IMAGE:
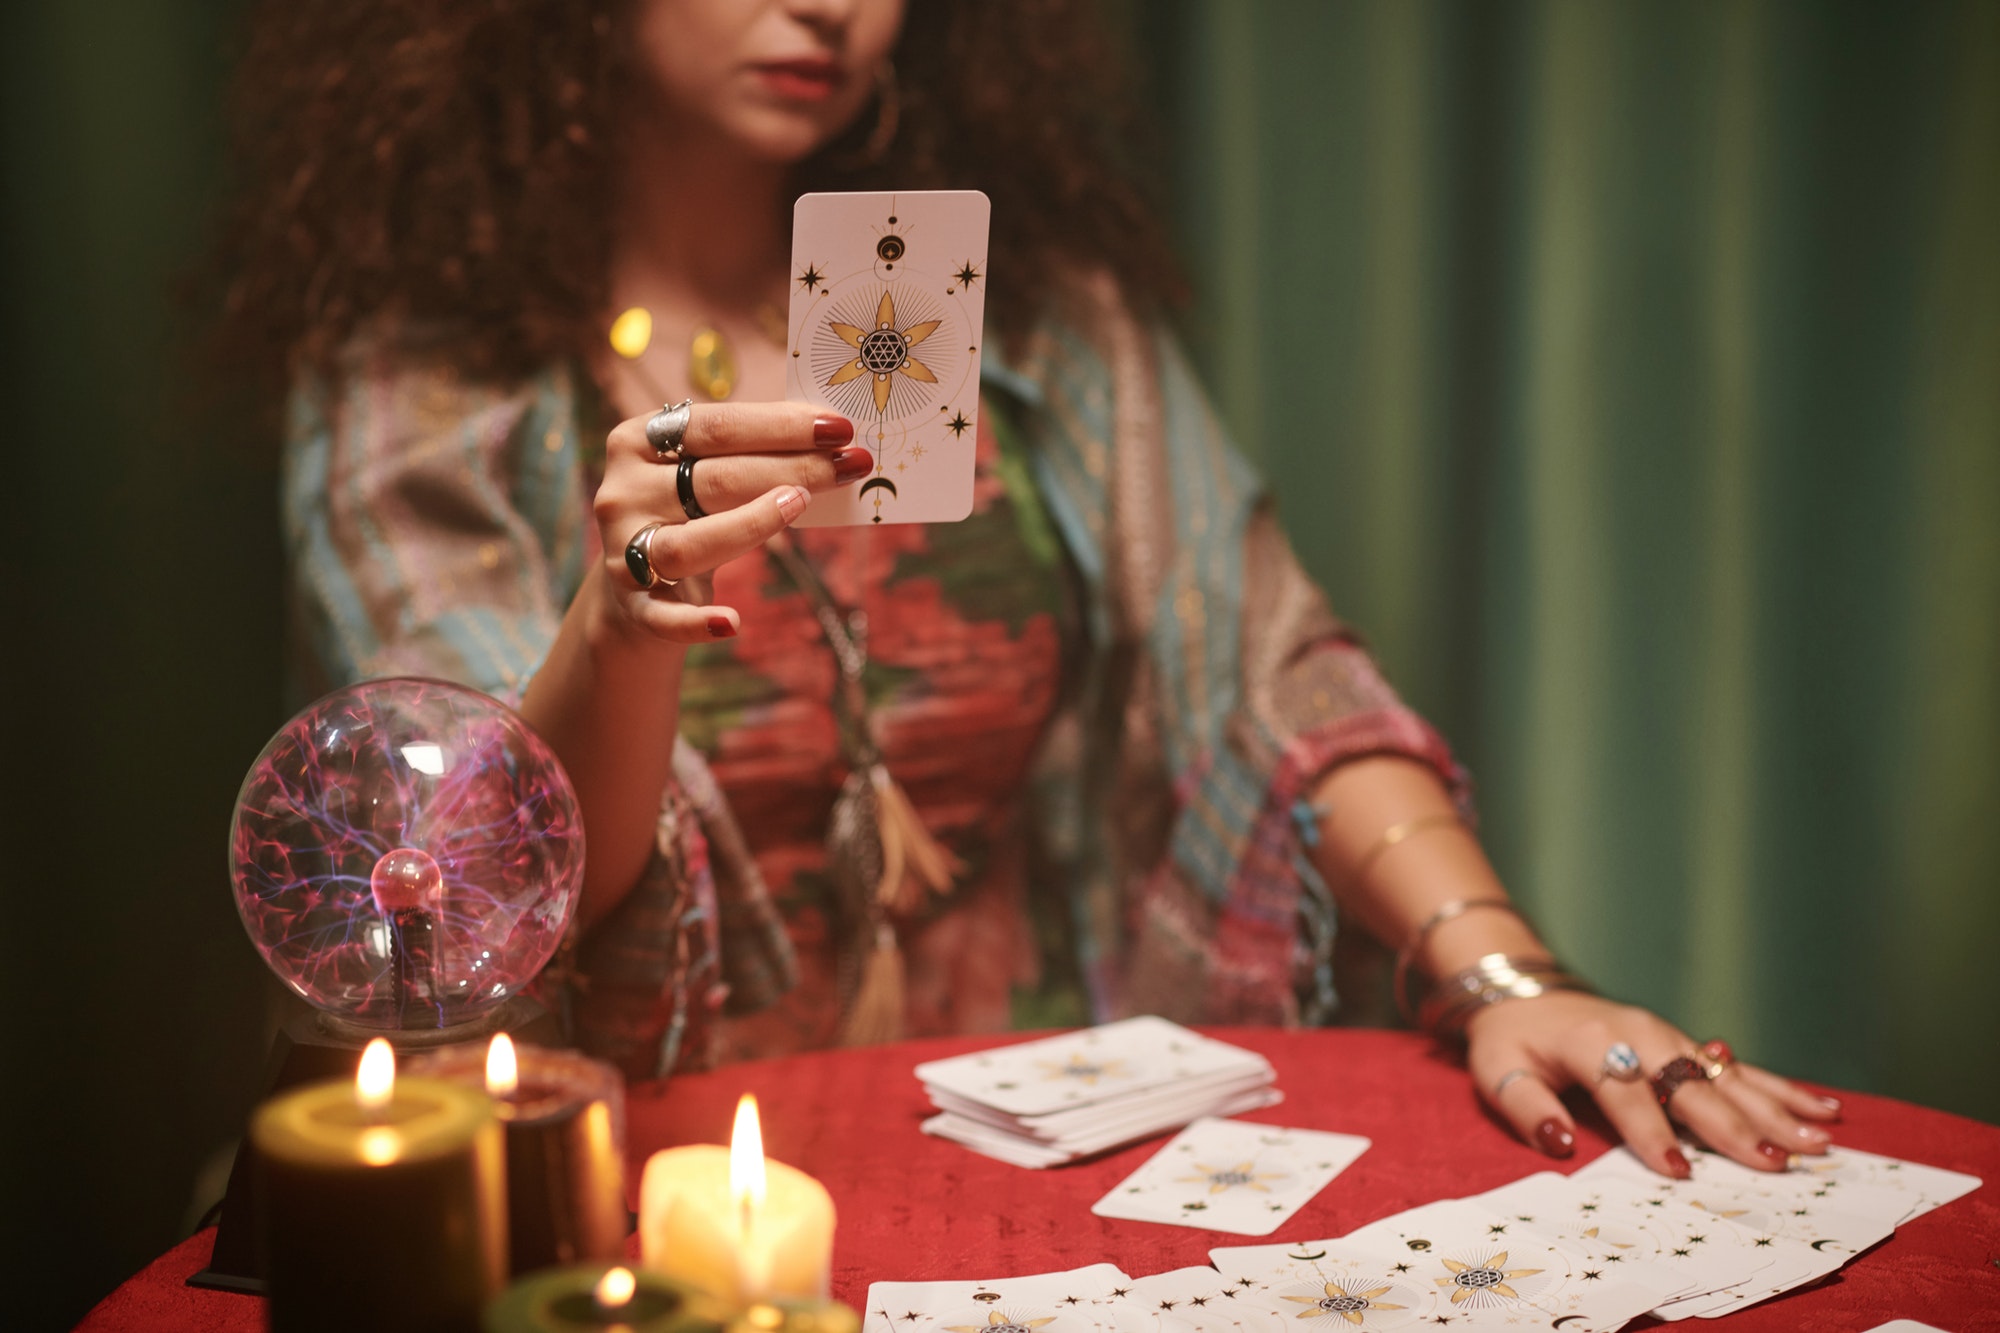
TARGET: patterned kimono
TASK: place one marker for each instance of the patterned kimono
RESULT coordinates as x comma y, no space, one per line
1108,693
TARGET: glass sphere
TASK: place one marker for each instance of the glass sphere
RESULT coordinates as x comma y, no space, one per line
406,854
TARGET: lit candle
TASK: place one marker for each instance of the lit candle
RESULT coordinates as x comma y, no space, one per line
383,1204
594,1299
565,1147
734,1222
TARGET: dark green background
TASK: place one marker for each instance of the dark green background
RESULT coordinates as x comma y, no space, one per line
1631,373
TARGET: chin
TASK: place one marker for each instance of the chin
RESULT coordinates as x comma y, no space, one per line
778,135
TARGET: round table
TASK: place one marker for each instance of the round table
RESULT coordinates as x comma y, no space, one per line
915,1208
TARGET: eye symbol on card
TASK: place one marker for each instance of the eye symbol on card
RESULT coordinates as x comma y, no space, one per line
987,1296
1196,1207
889,249
1418,1244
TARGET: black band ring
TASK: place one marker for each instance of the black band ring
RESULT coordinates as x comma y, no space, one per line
639,559
684,483
667,427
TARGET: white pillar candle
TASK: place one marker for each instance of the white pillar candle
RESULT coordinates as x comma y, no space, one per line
734,1222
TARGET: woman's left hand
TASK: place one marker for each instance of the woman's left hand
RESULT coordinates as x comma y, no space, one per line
1523,1053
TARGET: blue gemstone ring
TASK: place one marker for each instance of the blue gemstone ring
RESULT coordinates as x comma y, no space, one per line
1621,1062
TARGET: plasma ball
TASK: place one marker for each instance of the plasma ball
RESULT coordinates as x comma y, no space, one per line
406,880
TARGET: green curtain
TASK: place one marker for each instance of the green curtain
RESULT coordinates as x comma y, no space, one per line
1632,373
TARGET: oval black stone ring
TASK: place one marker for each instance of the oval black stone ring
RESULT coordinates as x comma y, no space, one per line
639,559
666,428
684,484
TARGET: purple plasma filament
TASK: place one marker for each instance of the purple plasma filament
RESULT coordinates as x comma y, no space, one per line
406,853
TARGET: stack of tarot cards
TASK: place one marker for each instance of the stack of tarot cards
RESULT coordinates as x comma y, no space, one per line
1045,1102
1585,1253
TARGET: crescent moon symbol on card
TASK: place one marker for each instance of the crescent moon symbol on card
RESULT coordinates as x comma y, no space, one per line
1307,1258
1824,1240
1565,1319
873,482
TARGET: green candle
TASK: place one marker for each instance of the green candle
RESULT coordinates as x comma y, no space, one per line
383,1203
596,1298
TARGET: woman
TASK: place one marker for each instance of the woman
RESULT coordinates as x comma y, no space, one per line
1077,748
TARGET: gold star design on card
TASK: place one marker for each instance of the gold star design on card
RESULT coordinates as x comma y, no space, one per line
1350,1304
883,351
1084,1070
1219,1179
1468,1280
1001,1322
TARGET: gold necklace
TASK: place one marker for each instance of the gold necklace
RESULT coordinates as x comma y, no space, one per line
712,368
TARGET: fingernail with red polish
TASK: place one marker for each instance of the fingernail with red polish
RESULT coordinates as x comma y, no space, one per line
720,627
792,502
1773,1154
1677,1164
1554,1139
852,465
830,432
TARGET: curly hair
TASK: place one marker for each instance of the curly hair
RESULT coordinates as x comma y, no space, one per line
449,163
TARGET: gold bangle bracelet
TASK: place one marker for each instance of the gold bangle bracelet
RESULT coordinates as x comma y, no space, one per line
1399,985
1395,833
1492,979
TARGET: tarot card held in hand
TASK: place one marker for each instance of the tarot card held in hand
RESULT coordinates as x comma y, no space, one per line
888,309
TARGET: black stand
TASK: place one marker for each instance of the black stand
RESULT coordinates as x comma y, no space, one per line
310,1049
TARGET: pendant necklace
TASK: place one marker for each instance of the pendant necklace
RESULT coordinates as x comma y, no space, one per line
712,367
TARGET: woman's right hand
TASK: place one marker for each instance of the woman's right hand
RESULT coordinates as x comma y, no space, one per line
756,466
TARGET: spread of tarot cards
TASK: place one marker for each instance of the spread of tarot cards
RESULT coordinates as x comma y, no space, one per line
887,319
1586,1252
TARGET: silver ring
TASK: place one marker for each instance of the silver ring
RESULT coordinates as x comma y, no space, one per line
1620,1062
1508,1078
667,427
639,559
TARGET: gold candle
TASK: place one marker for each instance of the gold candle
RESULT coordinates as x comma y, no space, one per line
563,1114
384,1203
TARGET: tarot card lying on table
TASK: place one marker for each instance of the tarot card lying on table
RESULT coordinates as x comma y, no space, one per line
1229,1175
1045,1102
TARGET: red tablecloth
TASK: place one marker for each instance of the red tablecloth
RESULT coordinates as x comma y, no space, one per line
913,1207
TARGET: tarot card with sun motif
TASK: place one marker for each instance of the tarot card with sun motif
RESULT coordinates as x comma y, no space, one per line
1620,1231
1231,1175
888,310
1082,1300
1445,1266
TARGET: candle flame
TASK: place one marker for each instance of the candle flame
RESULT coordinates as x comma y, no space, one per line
746,1158
614,1289
375,1081
502,1071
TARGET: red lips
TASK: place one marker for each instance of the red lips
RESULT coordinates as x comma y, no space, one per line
809,79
